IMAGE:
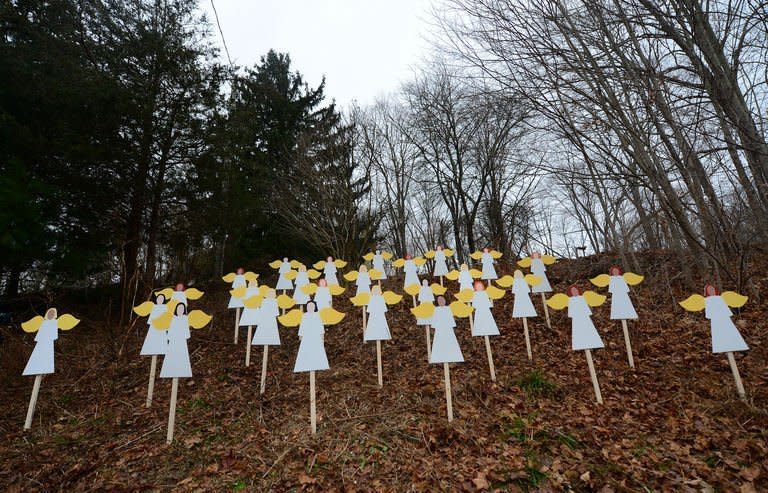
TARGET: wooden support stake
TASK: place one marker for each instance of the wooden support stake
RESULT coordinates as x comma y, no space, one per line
489,283
248,346
378,362
593,375
429,344
490,358
365,322
312,403
527,338
172,411
441,281
414,301
237,324
448,396
628,344
264,370
546,310
736,376
151,386
33,402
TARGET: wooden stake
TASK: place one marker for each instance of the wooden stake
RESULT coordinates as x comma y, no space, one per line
248,346
172,411
489,283
429,344
378,362
527,338
441,281
312,411
151,387
414,301
365,322
264,370
593,375
237,324
448,396
490,358
33,402
736,376
546,309
379,282
629,344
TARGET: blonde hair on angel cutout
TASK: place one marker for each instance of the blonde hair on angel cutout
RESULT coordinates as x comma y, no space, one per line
51,311
376,290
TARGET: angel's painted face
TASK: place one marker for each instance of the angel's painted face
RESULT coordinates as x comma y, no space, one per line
439,248
479,286
574,290
160,299
253,283
615,270
441,301
240,271
710,290
518,274
322,283
376,290
285,259
181,309
329,259
272,294
311,307
464,267
50,314
303,268
363,268
180,286
536,255
408,257
486,250
378,252
424,283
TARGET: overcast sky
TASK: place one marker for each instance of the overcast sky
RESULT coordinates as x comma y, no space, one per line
364,48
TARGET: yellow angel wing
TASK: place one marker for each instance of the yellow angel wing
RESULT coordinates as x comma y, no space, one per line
361,299
238,292
351,276
368,257
375,275
524,262
419,261
229,277
601,281
313,274
292,318
413,289
505,281
291,275
734,299
593,299
476,255
694,303
254,301
391,298
309,288
448,252
476,274
193,294
632,278
548,259
198,319
399,263
295,264
144,309
430,254
452,275
167,293
67,322
496,254
33,324
340,263
438,289
163,321
461,310
335,289
494,293
424,310
465,295
329,316
386,255
284,301
558,301
264,289
532,280
276,264
251,276
319,265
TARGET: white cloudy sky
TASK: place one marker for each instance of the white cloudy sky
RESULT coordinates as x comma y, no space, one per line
364,48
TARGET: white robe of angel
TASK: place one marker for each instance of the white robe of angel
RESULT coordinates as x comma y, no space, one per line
489,272
283,283
426,294
363,282
538,269
584,335
523,306
329,272
621,305
176,362
239,282
465,280
156,341
180,297
299,296
311,355
378,264
250,316
483,323
41,360
725,336
267,333
441,268
445,346
411,273
323,297
377,328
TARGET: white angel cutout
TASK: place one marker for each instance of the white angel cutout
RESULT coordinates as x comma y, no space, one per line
311,356
377,260
303,277
584,335
156,341
176,363
523,306
439,255
251,298
323,293
329,266
726,338
181,293
363,278
286,273
377,328
410,267
487,258
41,361
621,304
483,323
465,276
239,279
267,333
538,264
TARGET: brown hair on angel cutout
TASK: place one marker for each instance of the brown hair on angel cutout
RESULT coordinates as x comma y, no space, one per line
240,271
536,254
574,290
180,286
479,286
322,283
441,300
710,290
313,306
615,270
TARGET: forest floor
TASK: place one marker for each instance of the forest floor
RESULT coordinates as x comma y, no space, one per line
674,423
